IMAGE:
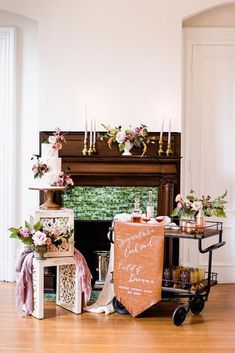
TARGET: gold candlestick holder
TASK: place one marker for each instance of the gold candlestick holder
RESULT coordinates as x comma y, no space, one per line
94,147
169,150
90,151
160,150
85,150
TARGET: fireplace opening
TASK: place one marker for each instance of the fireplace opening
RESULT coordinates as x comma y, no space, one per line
95,208
91,240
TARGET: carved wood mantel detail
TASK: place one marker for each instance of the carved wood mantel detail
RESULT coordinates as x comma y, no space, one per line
109,168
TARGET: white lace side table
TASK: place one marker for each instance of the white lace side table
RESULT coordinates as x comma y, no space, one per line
68,293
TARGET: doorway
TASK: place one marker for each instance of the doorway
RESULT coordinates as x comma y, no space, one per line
208,134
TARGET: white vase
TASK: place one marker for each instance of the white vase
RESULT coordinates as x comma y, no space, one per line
128,146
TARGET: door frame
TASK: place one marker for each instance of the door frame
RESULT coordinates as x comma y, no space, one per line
193,37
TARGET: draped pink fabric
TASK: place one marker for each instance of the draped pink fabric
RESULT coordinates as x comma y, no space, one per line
24,285
83,275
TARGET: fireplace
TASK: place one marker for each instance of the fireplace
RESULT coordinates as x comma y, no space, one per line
108,168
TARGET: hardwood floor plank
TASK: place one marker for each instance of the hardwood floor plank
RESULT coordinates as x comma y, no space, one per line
62,331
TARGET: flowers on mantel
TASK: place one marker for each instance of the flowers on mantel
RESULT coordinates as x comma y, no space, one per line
41,239
191,205
137,136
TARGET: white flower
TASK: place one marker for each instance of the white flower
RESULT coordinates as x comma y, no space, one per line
197,205
121,136
52,139
178,198
39,238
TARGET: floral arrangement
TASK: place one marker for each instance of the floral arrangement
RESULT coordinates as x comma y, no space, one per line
39,168
138,136
41,239
57,139
64,180
191,205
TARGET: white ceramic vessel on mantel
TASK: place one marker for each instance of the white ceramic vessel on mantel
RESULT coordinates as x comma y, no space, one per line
128,146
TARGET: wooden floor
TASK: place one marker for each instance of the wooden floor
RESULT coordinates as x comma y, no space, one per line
63,332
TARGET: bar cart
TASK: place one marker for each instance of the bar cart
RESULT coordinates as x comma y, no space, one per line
198,293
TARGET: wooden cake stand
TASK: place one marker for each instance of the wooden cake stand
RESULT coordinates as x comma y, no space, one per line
49,203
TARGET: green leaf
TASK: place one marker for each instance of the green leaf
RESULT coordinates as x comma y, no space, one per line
37,226
219,213
175,212
13,235
28,225
14,230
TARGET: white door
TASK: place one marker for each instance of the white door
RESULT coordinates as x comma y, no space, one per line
209,135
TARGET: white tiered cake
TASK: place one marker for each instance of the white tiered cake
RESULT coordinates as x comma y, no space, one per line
47,168
49,156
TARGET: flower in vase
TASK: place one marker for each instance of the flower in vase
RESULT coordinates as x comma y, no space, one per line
191,205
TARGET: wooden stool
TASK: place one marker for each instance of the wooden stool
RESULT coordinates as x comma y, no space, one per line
68,293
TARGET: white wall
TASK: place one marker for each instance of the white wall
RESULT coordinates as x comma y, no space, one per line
122,58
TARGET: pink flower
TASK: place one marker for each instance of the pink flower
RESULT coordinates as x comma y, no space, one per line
39,238
25,233
179,205
58,146
137,130
143,132
48,241
130,137
57,232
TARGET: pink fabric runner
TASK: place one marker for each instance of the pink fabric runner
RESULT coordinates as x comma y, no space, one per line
24,285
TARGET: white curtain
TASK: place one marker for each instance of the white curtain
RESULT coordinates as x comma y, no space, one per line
8,172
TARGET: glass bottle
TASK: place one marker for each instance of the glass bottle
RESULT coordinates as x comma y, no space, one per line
150,206
136,212
200,222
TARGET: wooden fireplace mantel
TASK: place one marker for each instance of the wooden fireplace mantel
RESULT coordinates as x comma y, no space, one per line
109,168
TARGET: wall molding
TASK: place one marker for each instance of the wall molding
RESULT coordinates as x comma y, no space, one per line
8,150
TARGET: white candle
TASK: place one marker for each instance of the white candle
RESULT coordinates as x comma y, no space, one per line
85,122
94,139
91,134
161,134
169,133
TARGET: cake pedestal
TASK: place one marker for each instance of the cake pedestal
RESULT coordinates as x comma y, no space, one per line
49,203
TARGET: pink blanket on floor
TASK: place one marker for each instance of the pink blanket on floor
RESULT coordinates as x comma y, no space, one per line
24,285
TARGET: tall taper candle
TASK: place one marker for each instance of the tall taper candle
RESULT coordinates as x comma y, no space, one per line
161,133
91,134
94,139
169,133
85,123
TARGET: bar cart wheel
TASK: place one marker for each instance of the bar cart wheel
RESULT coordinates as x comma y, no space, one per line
179,315
197,304
119,308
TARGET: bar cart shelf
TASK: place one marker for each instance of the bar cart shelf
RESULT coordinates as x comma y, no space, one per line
197,294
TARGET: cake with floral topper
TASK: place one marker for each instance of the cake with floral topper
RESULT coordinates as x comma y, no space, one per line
47,168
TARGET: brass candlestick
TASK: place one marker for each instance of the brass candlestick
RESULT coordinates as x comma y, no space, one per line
90,151
169,150
160,150
94,148
85,150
